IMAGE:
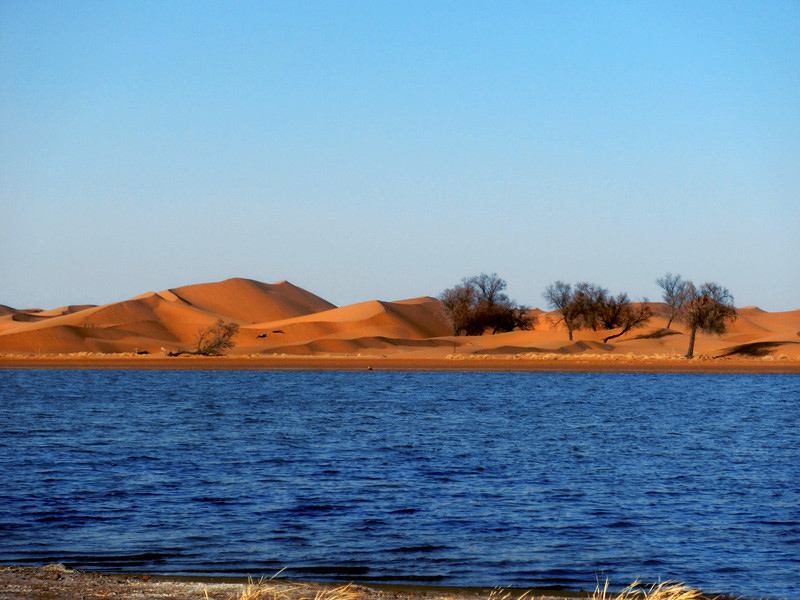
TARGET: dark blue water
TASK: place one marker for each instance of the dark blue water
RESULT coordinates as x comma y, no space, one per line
490,479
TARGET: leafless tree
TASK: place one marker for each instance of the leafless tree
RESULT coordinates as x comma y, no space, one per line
478,303
675,294
590,305
707,309
618,311
459,304
489,288
560,297
590,299
216,338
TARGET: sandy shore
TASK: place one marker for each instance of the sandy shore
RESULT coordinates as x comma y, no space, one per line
603,363
54,581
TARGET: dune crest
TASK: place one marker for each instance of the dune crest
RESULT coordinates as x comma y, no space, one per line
250,301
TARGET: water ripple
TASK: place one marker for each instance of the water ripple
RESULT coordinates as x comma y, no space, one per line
486,479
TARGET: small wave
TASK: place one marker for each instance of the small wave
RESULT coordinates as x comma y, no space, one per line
409,578
214,499
418,549
107,560
315,509
622,524
332,570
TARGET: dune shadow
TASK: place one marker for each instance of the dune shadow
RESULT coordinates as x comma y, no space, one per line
512,350
658,333
754,348
23,317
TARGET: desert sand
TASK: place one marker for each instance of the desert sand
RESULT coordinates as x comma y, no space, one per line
285,326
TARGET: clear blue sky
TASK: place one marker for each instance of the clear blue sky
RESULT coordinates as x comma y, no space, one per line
386,149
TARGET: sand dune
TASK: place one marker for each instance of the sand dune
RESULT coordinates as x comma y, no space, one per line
250,301
152,321
281,318
355,327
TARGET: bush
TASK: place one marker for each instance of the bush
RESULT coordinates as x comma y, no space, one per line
478,304
215,339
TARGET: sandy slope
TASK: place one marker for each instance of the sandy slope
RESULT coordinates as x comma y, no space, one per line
246,300
169,319
373,324
283,319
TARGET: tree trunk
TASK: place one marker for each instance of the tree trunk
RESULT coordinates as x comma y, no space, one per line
616,335
671,317
569,330
690,351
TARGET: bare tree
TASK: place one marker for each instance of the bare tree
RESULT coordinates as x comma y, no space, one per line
478,303
590,299
215,339
590,305
707,309
489,288
611,312
618,311
459,304
560,297
675,294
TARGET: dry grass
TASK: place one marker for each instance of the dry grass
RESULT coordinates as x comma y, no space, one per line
271,590
279,590
667,590
501,594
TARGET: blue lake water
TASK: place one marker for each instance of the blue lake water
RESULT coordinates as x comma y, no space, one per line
476,479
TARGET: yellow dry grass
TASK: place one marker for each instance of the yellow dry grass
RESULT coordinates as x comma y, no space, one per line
667,590
272,590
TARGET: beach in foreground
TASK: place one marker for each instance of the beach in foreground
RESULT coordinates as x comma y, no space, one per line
56,581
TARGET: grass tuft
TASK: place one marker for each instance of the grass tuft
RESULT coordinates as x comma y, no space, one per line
268,589
667,590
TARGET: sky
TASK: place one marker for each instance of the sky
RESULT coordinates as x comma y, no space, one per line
387,149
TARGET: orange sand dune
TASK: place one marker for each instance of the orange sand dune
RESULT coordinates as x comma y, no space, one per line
11,318
145,323
250,301
366,324
152,321
283,319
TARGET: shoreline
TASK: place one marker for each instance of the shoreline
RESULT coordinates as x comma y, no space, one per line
567,363
57,581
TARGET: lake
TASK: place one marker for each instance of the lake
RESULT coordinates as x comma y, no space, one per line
469,479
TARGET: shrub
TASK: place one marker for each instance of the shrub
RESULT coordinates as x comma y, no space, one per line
478,304
216,338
